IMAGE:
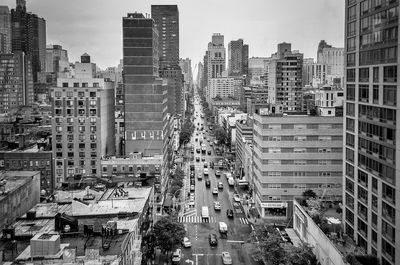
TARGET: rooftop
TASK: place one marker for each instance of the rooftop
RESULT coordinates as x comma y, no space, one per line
13,180
86,195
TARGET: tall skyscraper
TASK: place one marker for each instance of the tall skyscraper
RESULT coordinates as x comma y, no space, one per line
16,82
372,158
166,18
215,57
5,30
285,79
29,35
238,58
145,96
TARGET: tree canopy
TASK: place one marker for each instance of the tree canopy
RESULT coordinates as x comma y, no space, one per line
272,250
220,135
168,233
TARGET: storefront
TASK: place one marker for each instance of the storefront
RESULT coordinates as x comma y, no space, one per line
272,210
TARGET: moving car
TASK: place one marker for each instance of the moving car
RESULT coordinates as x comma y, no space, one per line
217,206
229,213
197,159
208,183
186,242
220,185
236,197
212,164
215,191
203,158
212,238
226,258
209,152
217,173
192,188
176,256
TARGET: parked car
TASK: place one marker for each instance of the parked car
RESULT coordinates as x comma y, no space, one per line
236,197
176,256
229,213
212,238
226,258
192,188
203,158
209,152
197,159
186,242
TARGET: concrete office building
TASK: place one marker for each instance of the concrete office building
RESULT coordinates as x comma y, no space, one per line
83,125
176,94
238,58
28,33
19,192
333,58
221,87
371,183
285,79
294,153
5,30
16,81
145,96
56,59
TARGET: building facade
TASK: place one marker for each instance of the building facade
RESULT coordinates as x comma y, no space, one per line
215,57
5,30
285,81
371,182
19,192
145,96
166,18
83,126
238,58
16,81
28,33
294,153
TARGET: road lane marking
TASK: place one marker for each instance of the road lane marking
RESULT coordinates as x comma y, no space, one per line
234,241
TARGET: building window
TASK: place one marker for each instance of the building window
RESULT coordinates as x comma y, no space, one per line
390,74
363,74
351,59
363,93
350,124
349,170
351,29
81,128
64,84
92,94
350,139
58,129
350,92
58,94
389,95
76,84
81,94
96,85
388,250
375,95
84,84
376,75
70,94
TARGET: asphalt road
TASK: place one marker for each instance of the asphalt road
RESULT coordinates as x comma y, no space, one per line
198,229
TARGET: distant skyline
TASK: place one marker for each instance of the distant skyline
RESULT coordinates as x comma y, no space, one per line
95,26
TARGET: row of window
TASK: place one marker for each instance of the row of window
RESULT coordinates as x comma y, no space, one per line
302,138
83,84
81,120
81,137
70,112
300,126
70,103
375,167
73,171
73,154
379,114
70,94
298,150
300,162
71,145
81,129
389,75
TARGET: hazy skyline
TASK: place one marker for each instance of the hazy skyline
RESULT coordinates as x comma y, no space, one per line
95,26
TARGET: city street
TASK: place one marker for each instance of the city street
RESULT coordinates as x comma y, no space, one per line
199,229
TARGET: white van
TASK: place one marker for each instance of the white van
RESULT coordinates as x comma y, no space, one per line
204,212
205,172
223,228
231,181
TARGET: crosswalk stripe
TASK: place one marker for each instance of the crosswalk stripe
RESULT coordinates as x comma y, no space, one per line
244,221
195,219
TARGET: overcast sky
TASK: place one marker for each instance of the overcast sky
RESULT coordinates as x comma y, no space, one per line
95,26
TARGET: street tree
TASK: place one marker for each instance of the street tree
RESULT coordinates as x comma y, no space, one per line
268,241
301,255
309,194
168,233
220,135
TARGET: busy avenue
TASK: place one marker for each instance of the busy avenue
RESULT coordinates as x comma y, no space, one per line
217,228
